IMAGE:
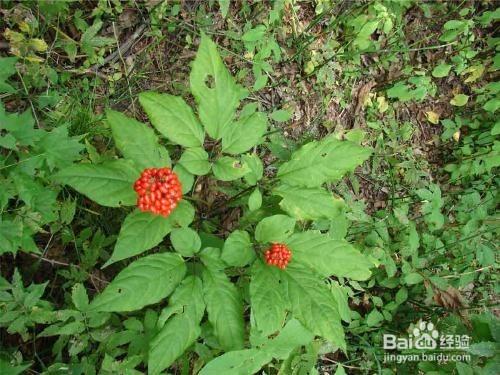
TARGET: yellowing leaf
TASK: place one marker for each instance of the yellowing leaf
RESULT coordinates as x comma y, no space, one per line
459,100
475,71
456,136
432,117
382,104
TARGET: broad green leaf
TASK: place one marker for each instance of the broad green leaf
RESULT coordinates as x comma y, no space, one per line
214,89
109,184
245,133
291,336
325,161
225,309
276,228
195,160
181,330
136,141
238,362
413,278
186,178
144,282
173,118
183,214
229,169
484,349
238,250
185,241
374,318
255,200
442,70
459,100
313,304
79,297
340,295
255,166
328,256
188,297
309,203
281,115
130,242
250,361
6,368
267,298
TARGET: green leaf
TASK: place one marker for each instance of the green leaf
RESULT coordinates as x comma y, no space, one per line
185,241
109,184
309,203
281,115
144,282
195,160
59,150
442,70
267,298
328,256
374,318
401,295
225,309
254,35
214,89
256,169
130,242
183,214
173,118
413,278
5,367
325,161
244,134
484,349
340,295
136,141
185,178
250,361
238,362
7,69
275,228
459,100
291,336
181,330
229,169
11,233
255,200
224,7
313,304
238,250
79,297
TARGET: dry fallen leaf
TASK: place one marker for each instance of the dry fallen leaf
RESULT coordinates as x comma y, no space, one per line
432,117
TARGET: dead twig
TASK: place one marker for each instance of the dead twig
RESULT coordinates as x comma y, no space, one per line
122,49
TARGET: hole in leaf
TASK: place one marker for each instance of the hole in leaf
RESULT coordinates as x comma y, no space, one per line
323,154
210,81
119,290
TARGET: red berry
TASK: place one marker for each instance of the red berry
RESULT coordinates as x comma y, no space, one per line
158,191
278,255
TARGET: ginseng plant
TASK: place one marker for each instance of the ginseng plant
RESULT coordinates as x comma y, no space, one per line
267,289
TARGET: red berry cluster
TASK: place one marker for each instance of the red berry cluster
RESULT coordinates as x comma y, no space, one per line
278,255
158,191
